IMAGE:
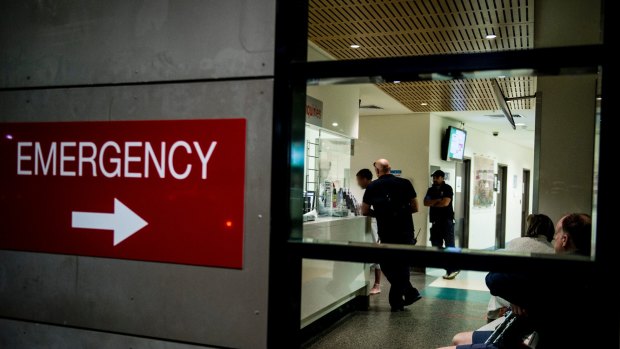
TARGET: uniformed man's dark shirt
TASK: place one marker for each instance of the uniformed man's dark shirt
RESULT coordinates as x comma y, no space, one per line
390,198
439,192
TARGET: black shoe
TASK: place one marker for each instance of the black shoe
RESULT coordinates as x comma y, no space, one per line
451,275
409,301
397,309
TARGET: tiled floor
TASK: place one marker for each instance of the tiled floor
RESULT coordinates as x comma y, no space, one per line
447,307
466,280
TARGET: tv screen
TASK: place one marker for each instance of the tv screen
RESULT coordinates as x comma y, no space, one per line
501,100
454,144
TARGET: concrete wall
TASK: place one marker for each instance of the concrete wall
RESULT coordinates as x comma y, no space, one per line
54,44
404,140
18,333
566,150
70,42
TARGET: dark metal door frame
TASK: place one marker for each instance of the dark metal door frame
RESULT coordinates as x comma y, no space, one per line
525,199
462,198
287,249
467,190
500,224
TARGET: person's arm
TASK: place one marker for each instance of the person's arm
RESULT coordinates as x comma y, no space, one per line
427,198
367,201
443,202
430,199
430,202
414,205
367,211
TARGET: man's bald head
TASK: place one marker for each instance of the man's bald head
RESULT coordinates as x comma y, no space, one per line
573,234
382,166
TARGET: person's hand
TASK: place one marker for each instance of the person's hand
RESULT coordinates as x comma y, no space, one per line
517,310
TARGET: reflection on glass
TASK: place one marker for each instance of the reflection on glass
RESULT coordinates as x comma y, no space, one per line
326,285
543,165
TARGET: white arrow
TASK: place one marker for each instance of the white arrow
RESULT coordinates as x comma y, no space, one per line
123,221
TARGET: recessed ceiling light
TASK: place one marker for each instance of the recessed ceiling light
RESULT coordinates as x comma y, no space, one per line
501,76
490,36
423,103
9,136
598,98
397,81
335,124
519,124
355,46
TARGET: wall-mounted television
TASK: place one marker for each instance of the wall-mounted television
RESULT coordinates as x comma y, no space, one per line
453,145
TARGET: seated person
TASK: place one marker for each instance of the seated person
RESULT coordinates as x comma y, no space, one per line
554,305
537,239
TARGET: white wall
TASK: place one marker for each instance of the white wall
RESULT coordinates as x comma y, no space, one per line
403,140
515,157
412,143
566,158
340,105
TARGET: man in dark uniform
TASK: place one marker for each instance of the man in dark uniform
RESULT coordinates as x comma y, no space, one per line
439,199
393,201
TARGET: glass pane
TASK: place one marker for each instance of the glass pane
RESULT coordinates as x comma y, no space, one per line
440,309
390,28
508,144
326,285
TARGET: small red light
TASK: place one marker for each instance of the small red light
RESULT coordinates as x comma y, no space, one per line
228,224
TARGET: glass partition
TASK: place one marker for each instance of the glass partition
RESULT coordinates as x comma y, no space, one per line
510,143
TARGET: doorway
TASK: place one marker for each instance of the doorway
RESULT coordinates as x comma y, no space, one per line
525,200
461,203
500,206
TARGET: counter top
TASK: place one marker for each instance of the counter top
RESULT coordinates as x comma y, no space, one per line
326,219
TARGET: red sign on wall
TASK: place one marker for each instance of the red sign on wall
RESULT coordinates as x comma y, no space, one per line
166,191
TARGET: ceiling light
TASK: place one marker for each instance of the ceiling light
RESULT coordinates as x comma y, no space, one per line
9,136
519,124
501,76
423,103
335,124
490,36
397,81
355,46
598,98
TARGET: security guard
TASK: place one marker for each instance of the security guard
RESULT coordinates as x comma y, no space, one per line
439,198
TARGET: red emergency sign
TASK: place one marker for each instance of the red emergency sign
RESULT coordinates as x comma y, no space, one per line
165,191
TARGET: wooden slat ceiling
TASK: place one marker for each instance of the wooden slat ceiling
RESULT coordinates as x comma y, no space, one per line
460,95
389,28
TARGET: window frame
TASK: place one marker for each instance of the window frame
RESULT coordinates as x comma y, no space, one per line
287,248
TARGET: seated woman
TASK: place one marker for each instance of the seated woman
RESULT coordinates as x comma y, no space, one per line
537,239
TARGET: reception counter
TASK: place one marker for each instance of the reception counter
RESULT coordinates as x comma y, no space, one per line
327,285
